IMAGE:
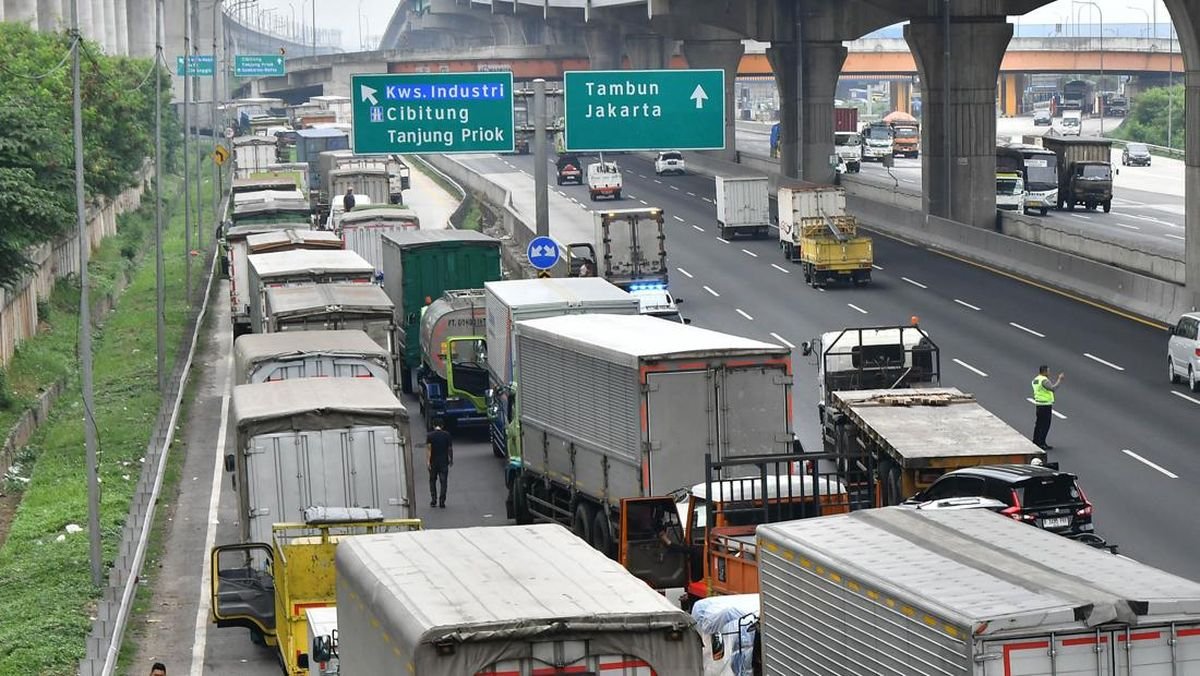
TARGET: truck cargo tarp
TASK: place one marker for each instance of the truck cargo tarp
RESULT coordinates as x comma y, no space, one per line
241,232
306,404
295,301
982,571
254,348
263,242
308,261
412,239
491,591
380,213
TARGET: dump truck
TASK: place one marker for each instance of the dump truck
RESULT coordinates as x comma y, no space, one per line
1085,174
309,354
628,245
964,593
362,230
615,406
328,442
511,301
502,600
742,206
320,307
816,231
421,265
260,183
291,240
273,587
270,207
301,267
452,379
906,133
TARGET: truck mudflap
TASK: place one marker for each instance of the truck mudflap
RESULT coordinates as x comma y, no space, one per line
1165,649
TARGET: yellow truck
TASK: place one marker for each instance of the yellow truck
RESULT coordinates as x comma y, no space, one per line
816,231
271,588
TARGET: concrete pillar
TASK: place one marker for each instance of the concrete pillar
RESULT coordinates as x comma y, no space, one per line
901,91
139,27
1191,185
21,11
50,15
121,22
648,52
726,55
604,46
108,24
784,58
976,49
822,65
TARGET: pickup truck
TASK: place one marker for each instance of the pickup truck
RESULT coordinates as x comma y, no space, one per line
604,179
569,170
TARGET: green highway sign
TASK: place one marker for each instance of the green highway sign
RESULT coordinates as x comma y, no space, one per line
644,109
258,66
432,113
199,65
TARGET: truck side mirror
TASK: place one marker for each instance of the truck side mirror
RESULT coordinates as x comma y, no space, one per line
806,348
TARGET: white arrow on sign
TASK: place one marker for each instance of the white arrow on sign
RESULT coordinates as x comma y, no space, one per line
699,96
368,94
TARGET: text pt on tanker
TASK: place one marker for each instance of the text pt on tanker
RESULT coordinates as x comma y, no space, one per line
432,113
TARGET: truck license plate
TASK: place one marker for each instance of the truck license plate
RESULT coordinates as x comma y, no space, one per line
1056,522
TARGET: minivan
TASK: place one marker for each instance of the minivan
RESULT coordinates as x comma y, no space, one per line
1183,351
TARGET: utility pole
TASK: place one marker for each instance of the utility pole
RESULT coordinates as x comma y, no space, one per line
946,105
160,290
187,193
217,72
541,181
85,315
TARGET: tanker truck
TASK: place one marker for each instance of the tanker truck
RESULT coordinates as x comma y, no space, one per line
452,379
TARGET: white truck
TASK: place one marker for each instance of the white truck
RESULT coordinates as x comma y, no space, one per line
318,442
501,600
362,230
252,155
1070,124
318,307
301,267
627,246
849,146
964,593
604,180
742,206
271,357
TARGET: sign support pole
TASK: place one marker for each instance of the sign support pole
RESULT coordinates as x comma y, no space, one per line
540,178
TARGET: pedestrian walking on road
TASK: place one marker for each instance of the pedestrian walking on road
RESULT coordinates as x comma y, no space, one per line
1043,402
158,669
439,459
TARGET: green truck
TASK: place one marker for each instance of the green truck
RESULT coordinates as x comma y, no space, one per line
418,267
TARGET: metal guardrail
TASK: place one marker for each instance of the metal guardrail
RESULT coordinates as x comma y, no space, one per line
1164,151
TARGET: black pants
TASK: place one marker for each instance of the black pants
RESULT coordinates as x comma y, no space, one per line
438,473
1041,425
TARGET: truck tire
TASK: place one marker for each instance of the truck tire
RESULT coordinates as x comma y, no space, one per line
581,523
1045,210
1107,206
520,506
617,195
592,195
1070,205
602,533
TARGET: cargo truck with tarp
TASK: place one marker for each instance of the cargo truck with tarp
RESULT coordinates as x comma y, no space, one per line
291,240
331,306
300,267
262,358
362,230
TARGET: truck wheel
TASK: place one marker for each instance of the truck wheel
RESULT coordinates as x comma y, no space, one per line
602,533
581,524
520,506
1107,206
1045,211
592,195
617,195
1070,205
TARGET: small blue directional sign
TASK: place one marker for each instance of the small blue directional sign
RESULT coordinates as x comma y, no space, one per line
543,253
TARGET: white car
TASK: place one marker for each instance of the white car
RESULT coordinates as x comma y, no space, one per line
656,301
670,163
1183,350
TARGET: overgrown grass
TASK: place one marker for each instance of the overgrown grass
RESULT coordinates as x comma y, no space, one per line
473,219
45,582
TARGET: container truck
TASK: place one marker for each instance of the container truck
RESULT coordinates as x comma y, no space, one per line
310,143
816,231
362,230
452,379
511,301
299,268
845,119
628,245
291,240
251,155
318,442
1085,174
742,206
503,600
273,357
964,593
331,306
614,406
421,265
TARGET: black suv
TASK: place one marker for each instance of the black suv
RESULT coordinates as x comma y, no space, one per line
569,170
1034,494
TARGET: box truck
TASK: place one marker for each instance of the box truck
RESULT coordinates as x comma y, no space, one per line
364,307
627,246
272,357
742,206
362,230
301,268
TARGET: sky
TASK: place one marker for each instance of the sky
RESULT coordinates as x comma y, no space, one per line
373,15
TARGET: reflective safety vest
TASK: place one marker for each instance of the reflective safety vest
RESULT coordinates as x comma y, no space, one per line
1041,395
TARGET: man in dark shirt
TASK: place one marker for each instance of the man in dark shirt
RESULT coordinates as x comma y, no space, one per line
439,458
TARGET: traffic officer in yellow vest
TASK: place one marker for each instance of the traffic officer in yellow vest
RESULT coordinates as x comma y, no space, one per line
1043,402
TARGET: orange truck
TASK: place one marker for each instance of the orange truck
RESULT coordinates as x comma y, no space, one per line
906,133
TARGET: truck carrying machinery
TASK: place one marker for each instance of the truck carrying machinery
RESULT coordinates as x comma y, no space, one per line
262,358
816,231
512,301
318,442
503,600
613,406
742,206
362,230
452,380
1085,174
964,593
319,307
628,245
301,267
421,265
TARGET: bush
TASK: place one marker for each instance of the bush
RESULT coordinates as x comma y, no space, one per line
1147,120
6,397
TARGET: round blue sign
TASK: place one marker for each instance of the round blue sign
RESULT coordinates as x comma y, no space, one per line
542,253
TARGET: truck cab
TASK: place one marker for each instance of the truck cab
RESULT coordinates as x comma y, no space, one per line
849,147
453,379
1071,123
1010,192
1088,184
879,143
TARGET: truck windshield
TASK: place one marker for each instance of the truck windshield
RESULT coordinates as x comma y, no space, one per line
1070,122
1095,171
879,134
1009,186
906,132
847,139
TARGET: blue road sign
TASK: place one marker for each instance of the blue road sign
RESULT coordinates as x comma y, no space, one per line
543,253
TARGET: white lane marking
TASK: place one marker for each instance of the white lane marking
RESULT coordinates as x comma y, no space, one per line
674,188
743,313
631,195
575,200
968,305
1173,236
1056,413
525,172
642,175
708,200
658,181
876,266
691,194
564,194
1128,227
714,293
821,289
1086,218
1098,360
914,283
781,269
643,202
698,228
783,340
749,253
970,368
722,240
685,273
1181,395
1027,330
1150,464
852,306
678,219
583,206
210,533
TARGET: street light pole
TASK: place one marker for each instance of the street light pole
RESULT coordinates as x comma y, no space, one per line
1101,98
1143,11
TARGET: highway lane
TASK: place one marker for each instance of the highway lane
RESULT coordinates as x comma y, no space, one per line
1116,397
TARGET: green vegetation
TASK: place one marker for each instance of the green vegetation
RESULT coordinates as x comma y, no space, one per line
37,200
473,219
1147,120
45,581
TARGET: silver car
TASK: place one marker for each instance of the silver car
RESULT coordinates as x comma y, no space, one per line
1183,350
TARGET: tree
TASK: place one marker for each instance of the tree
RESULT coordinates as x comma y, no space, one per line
1147,120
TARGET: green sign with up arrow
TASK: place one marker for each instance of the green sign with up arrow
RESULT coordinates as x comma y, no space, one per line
259,66
644,110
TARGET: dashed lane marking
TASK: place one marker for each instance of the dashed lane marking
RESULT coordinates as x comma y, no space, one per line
685,273
856,308
678,219
698,228
1181,395
1058,415
714,293
743,313
722,240
1098,360
1152,465
781,269
968,305
970,368
783,340
749,253
1027,330
915,283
